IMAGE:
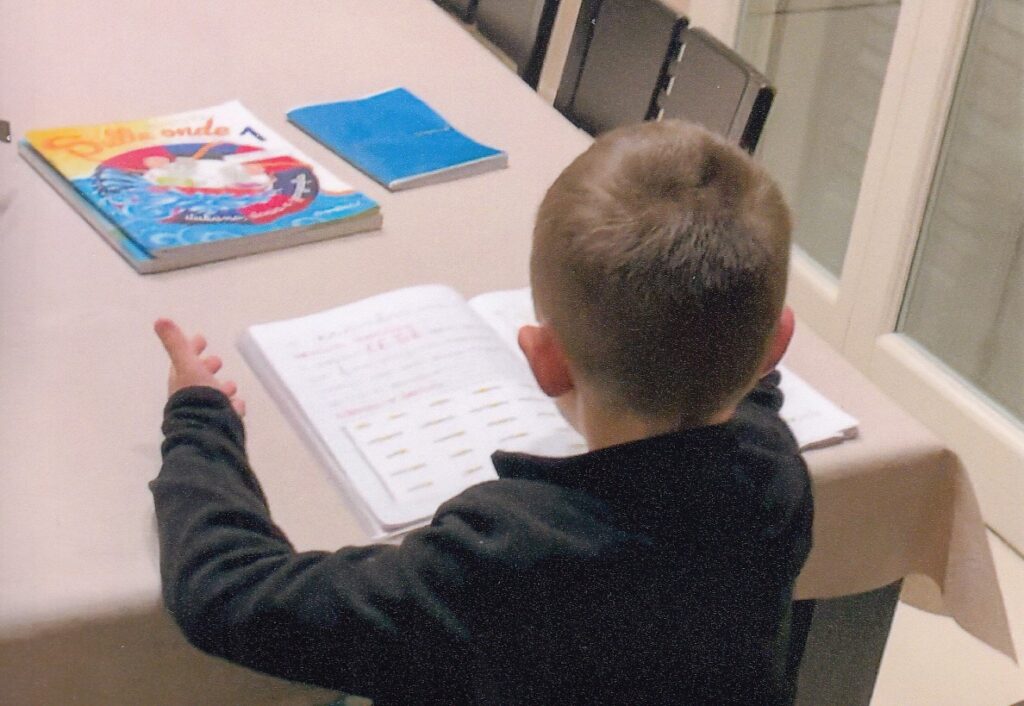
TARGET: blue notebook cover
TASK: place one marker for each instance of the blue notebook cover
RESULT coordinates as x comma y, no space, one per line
396,139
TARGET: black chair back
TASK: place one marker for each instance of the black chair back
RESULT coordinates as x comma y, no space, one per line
633,60
708,83
521,29
463,9
616,60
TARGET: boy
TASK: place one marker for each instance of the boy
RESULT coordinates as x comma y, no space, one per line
655,569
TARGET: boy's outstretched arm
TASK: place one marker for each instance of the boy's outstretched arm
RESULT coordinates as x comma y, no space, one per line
365,619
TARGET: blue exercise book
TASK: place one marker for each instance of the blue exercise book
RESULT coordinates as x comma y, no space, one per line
396,139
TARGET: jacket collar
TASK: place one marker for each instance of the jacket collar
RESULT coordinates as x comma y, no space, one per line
636,465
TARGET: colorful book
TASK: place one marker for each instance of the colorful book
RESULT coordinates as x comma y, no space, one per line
194,187
397,139
405,395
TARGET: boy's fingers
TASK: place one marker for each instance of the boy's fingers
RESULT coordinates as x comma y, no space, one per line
198,343
229,388
239,406
175,343
212,364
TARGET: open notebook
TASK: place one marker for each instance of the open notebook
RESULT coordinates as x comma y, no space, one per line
405,395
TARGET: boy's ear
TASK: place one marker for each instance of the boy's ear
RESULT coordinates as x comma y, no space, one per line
547,360
780,342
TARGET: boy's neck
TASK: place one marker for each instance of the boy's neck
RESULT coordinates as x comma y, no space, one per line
603,425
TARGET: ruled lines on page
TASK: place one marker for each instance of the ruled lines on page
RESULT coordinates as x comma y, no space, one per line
442,443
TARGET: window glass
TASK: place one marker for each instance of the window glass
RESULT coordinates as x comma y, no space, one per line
827,60
965,302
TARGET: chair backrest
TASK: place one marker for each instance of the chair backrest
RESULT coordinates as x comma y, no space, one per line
709,83
633,60
463,9
519,28
616,59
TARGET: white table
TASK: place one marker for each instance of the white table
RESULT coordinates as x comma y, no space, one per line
82,376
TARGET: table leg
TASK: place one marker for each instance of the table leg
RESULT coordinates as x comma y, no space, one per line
844,640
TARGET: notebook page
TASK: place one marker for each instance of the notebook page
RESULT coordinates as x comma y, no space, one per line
379,356
506,311
440,444
813,418
384,350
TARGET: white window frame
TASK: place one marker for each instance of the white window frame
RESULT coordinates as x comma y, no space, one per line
857,313
988,441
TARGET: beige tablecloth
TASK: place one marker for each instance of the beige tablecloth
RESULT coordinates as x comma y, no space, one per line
81,376
894,503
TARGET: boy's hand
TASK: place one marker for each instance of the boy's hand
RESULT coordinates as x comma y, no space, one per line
188,369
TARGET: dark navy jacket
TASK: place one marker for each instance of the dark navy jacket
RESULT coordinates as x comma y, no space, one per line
653,572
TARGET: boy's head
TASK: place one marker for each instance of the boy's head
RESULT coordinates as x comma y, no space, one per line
659,261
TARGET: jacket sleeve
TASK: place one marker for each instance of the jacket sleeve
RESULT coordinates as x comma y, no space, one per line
376,620
766,393
758,416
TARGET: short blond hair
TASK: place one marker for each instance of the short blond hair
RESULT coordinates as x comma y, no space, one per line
660,258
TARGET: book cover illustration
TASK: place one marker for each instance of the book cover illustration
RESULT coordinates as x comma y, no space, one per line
397,139
195,178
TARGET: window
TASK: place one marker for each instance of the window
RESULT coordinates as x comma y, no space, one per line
898,134
965,299
827,61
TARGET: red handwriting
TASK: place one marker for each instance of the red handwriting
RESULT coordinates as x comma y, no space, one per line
384,339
